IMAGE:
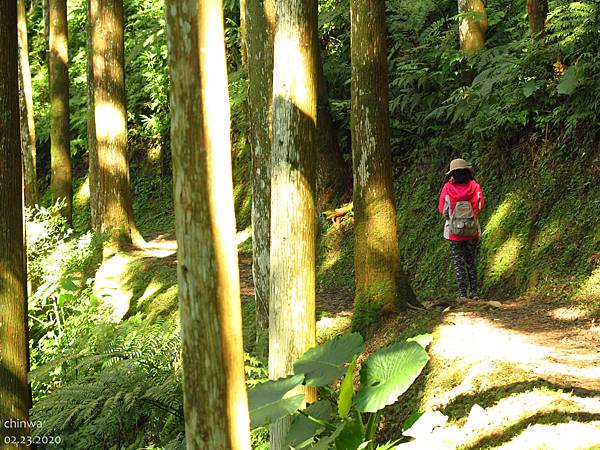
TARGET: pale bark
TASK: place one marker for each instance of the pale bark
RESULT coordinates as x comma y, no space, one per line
215,401
26,111
260,25
379,277
112,202
91,127
473,26
14,391
58,73
537,11
293,229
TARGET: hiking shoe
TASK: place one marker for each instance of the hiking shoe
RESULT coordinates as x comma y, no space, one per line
474,297
461,299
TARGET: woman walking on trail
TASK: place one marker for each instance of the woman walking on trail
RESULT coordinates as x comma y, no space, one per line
460,201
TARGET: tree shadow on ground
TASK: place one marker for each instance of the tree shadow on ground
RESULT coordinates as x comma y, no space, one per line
460,406
541,418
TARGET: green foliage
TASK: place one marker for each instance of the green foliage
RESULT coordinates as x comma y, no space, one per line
53,249
385,375
388,373
267,402
324,364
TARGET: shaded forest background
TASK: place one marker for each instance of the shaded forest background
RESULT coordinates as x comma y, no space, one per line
524,111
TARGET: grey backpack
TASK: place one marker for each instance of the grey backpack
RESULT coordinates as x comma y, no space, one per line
463,221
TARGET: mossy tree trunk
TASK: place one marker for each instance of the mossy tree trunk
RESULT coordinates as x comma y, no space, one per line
14,392
26,111
472,26
111,202
293,228
537,11
378,271
334,177
215,402
260,23
61,182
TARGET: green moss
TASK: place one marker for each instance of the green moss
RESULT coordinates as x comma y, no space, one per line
335,255
540,227
365,315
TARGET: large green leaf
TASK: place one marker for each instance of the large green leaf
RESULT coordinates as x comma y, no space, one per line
569,81
303,429
351,436
388,373
324,364
347,391
267,403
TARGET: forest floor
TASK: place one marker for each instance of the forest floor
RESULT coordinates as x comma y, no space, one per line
517,373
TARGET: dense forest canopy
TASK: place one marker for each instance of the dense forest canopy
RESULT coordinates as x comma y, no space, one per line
269,180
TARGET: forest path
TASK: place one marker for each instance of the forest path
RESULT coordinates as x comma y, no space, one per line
521,373
539,336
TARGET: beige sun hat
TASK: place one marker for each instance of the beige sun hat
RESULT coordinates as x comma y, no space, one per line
459,163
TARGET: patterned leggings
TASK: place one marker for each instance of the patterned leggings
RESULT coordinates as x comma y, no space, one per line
464,255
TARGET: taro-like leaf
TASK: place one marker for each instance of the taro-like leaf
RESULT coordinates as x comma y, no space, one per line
303,429
324,364
267,403
387,374
347,391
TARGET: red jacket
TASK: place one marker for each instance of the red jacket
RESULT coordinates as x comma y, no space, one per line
451,194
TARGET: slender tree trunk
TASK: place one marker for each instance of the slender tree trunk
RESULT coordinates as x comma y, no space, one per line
91,122
14,392
26,111
111,202
293,228
215,402
334,177
260,24
472,27
537,11
61,179
379,277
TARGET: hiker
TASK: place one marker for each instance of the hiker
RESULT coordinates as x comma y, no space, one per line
460,201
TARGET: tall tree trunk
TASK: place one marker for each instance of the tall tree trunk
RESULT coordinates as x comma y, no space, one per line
26,111
537,11
14,392
260,24
215,402
91,121
472,27
379,276
111,202
61,179
293,229
334,177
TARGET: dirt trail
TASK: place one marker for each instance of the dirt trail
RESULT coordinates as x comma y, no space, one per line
525,371
536,335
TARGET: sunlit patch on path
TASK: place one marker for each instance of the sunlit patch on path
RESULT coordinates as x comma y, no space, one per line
524,374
